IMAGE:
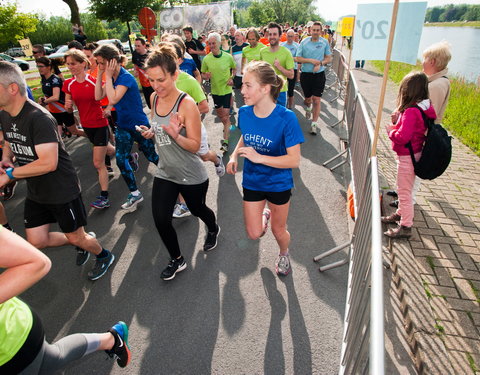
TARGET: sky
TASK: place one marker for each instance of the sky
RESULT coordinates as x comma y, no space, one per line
328,9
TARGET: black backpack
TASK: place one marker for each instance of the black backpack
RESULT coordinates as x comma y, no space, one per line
436,152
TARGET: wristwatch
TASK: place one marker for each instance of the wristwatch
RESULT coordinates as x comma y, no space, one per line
9,172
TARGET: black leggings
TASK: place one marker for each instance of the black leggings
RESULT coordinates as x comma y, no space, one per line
164,196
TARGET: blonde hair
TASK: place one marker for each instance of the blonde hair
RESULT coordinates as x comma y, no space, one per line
266,76
78,56
440,52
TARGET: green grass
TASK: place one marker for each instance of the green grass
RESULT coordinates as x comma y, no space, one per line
462,116
454,24
471,362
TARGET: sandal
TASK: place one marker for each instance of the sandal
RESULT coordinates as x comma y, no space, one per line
267,213
392,219
399,232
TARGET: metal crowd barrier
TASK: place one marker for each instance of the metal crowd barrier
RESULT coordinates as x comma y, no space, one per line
340,77
332,69
363,340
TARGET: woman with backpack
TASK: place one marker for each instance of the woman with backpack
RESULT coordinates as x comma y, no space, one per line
407,126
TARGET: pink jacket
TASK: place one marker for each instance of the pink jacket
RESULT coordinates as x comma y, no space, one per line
410,127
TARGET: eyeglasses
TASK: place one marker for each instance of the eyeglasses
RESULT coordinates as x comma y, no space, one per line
41,66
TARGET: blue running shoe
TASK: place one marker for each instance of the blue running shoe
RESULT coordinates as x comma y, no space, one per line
120,351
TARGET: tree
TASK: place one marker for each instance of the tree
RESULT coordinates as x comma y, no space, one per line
14,25
74,12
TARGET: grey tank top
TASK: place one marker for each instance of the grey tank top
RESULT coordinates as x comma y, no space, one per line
175,163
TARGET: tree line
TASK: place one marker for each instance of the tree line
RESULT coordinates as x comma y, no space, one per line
450,13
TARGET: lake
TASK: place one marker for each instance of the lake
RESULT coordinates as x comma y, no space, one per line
465,49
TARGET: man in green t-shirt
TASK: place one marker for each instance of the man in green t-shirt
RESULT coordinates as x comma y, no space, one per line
280,58
252,52
219,68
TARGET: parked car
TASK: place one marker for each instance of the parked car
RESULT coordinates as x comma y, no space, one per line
59,53
117,43
48,48
15,52
126,47
21,63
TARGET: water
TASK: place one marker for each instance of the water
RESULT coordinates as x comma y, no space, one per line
465,51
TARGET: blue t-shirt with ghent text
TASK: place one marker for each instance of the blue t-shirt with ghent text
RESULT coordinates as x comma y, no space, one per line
270,136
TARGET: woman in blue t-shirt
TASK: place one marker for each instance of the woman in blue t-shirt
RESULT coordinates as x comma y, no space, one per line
270,144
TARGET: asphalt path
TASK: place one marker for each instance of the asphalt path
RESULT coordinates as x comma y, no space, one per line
228,312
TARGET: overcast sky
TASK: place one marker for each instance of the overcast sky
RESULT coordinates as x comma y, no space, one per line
330,10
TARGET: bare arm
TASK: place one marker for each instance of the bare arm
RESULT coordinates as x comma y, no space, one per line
55,97
197,75
99,88
291,160
190,114
203,106
24,265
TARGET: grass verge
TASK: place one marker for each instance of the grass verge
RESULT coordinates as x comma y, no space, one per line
454,24
462,116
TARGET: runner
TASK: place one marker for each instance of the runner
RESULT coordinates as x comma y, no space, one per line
122,92
292,46
139,56
219,68
22,337
252,51
176,126
270,144
194,47
54,99
314,53
237,54
53,189
280,58
38,50
80,89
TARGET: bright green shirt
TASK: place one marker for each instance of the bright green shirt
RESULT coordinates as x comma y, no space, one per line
284,57
253,53
16,321
220,67
186,83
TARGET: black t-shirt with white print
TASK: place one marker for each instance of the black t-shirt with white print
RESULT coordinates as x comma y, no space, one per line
34,125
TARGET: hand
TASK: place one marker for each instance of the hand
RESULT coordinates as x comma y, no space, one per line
394,117
4,165
389,127
112,66
174,127
251,154
230,82
191,51
4,180
277,64
147,132
107,113
232,166
207,75
68,104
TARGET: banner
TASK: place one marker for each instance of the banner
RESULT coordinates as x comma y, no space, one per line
26,46
347,26
372,28
203,18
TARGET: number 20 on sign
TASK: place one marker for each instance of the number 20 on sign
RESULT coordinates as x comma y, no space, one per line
370,29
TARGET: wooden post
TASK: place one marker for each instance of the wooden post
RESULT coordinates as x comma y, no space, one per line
385,77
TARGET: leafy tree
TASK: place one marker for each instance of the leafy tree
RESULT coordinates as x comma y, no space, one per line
433,14
472,13
14,25
55,30
259,14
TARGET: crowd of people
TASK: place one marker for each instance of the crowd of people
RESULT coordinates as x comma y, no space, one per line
262,67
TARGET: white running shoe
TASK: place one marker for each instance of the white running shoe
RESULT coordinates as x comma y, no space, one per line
181,210
220,168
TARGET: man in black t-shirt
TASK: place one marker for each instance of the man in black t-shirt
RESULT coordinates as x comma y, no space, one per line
53,188
139,56
194,47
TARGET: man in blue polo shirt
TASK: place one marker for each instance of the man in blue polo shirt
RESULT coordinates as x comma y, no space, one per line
314,53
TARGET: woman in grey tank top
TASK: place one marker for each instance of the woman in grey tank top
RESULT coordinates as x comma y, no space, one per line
175,127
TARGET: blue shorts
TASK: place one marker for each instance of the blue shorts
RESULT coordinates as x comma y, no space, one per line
282,99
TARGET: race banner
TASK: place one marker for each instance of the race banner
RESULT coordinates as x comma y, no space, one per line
372,29
203,18
26,47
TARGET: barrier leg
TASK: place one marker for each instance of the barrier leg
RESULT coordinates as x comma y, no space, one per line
335,157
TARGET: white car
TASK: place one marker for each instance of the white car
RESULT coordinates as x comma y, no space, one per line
59,53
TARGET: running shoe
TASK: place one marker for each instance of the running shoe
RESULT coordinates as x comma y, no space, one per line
267,213
9,190
175,265
224,146
132,201
282,265
100,203
181,210
101,266
133,161
308,113
220,168
313,129
211,240
83,255
120,350
110,171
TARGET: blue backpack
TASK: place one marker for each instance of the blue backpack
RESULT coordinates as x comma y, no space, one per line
436,152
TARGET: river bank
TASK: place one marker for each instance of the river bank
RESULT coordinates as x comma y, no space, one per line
454,24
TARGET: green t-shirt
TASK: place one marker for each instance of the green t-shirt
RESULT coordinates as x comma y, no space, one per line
284,56
251,54
186,83
220,69
16,321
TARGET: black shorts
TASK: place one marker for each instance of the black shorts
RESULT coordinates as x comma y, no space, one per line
70,216
312,84
64,118
237,82
98,136
222,100
278,198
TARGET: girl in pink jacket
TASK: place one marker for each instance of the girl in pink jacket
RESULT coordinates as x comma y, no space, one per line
408,126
